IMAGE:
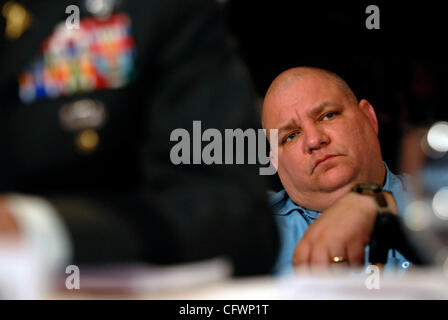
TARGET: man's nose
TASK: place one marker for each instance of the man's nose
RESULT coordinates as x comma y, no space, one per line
315,138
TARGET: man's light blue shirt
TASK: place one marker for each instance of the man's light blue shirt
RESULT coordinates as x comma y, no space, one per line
293,220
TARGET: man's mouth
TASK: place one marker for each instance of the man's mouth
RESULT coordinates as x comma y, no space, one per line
323,159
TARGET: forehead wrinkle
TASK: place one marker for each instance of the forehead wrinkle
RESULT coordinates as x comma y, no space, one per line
291,123
314,111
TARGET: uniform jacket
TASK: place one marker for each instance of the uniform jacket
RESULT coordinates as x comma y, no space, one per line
115,188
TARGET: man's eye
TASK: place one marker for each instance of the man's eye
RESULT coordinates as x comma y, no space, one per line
329,116
290,137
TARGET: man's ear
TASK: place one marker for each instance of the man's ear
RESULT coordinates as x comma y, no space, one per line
274,159
369,112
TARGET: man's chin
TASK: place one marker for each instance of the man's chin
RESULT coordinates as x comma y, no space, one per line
333,180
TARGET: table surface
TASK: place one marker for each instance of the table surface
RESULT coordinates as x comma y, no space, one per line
416,284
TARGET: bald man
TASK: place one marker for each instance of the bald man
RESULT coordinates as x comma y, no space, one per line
327,144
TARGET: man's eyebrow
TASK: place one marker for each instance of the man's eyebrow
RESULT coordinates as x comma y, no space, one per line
320,107
288,126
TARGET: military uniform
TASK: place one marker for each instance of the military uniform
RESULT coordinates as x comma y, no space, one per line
85,122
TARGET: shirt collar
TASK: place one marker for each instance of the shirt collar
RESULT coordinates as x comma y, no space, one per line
283,205
388,184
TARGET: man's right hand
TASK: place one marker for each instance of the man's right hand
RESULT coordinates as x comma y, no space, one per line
343,230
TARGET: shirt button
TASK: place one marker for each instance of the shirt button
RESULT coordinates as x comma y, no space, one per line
405,265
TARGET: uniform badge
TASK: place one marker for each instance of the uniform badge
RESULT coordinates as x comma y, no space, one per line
99,55
87,141
82,114
18,19
84,117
